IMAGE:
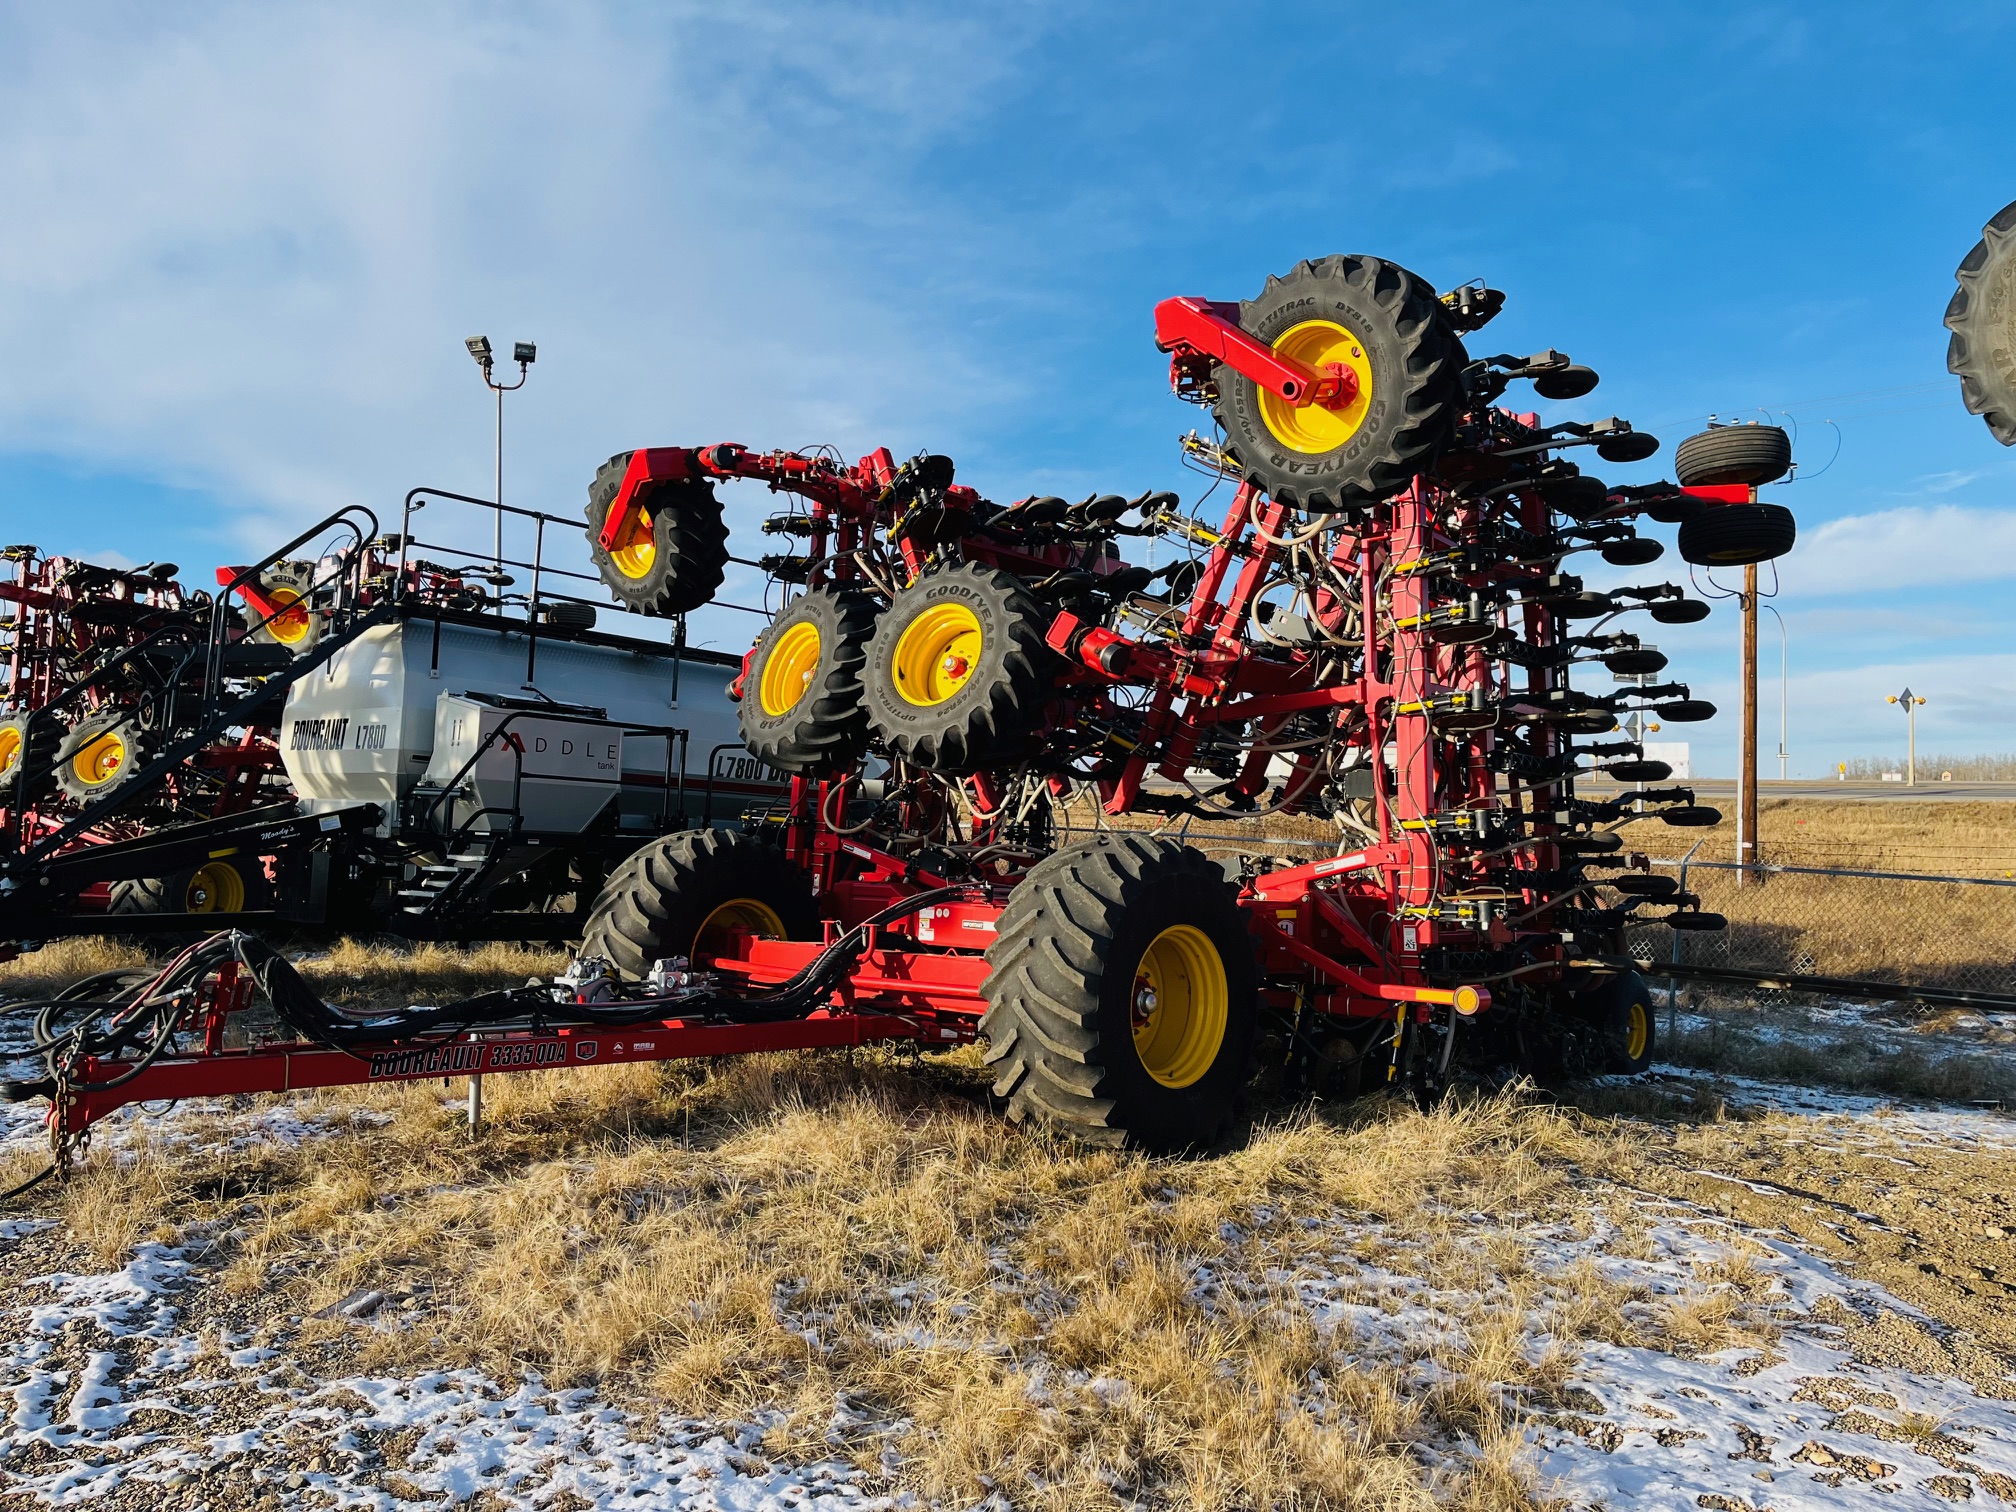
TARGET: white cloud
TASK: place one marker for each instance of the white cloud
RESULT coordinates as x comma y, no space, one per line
1916,546
244,242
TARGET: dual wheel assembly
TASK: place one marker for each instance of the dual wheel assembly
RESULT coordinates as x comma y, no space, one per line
1121,995
953,675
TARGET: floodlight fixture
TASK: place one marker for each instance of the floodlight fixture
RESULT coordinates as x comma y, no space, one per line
479,348
523,352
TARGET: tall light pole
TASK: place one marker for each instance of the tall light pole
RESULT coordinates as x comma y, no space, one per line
1782,685
524,353
1911,703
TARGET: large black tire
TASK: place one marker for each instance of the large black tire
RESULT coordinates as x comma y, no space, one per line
1731,535
1982,318
677,553
28,746
801,708
100,755
668,896
226,885
1065,980
958,671
1619,1012
1395,331
1751,454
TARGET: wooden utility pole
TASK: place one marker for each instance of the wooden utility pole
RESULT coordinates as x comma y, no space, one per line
1746,776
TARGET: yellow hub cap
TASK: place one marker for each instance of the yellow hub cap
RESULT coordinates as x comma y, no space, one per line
290,624
789,669
100,760
636,546
1181,1002
10,749
1639,1033
936,654
716,930
1331,351
215,888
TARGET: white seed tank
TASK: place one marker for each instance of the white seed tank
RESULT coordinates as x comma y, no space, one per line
362,729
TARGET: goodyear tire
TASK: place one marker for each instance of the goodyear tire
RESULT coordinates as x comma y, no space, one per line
958,672
28,746
1626,1028
1982,318
1387,328
225,885
673,550
1733,535
684,894
801,708
1751,454
1121,995
100,755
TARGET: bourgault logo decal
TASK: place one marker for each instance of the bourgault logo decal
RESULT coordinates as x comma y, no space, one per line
319,734
463,1058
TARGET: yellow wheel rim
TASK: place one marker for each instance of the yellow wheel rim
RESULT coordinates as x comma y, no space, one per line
937,653
1638,1034
636,546
788,669
216,887
1313,429
750,914
99,761
1180,1005
290,624
10,749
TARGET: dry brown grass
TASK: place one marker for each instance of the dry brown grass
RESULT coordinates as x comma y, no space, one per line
1955,838
1075,1327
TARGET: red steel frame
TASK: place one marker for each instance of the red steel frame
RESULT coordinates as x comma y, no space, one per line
1346,936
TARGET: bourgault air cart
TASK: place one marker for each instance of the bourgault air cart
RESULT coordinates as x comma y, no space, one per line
1001,734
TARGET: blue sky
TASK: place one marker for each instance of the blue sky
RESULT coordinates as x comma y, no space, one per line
244,244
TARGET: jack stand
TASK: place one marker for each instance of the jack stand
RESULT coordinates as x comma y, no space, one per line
475,1106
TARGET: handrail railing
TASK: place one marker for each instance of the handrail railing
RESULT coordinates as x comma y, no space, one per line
453,785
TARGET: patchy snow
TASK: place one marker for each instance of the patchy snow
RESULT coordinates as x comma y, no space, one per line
1946,1125
95,1355
207,1122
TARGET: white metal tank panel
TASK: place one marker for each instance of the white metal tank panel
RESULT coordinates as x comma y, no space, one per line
361,729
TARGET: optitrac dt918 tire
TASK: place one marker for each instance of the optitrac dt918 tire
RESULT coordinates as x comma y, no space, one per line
683,894
28,745
672,552
1725,454
1386,328
1121,995
100,754
1731,535
1982,318
801,708
958,671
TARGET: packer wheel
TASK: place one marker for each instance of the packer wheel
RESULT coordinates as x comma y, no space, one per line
1620,1014
689,894
1121,995
802,708
672,552
1380,332
958,671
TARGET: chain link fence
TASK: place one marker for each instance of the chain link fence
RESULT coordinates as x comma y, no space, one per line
1908,928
